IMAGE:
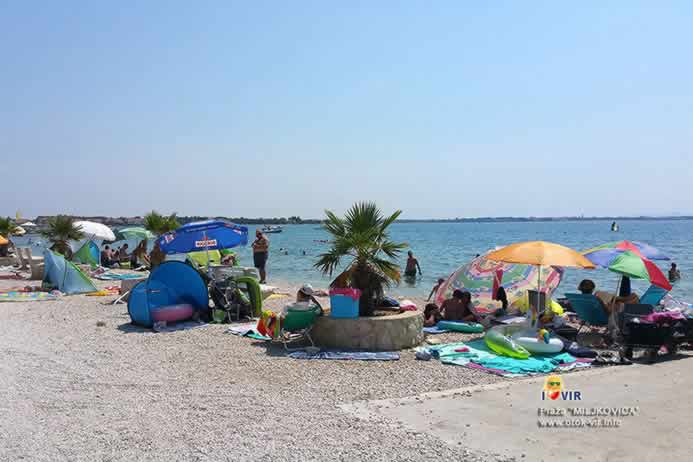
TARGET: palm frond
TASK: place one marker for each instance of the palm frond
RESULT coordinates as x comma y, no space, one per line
360,240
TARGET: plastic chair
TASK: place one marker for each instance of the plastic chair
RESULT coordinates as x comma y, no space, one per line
589,309
296,325
652,296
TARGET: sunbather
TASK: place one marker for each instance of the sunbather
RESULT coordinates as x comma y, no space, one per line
458,308
306,295
610,303
432,315
107,260
139,256
435,288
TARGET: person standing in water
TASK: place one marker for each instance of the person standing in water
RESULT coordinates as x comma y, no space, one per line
674,273
260,253
412,266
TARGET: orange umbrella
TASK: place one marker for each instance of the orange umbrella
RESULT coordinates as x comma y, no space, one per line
3,241
540,253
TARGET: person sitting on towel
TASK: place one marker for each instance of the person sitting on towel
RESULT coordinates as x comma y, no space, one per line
107,257
432,315
458,308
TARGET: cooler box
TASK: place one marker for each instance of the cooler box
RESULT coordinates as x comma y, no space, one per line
344,303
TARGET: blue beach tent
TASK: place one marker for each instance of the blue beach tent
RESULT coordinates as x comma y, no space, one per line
171,283
64,275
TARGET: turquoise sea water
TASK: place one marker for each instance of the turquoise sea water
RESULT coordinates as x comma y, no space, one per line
443,247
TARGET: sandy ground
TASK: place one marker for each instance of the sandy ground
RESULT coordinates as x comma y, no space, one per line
79,382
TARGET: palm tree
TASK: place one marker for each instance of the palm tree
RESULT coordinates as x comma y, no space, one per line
62,229
159,224
362,236
7,227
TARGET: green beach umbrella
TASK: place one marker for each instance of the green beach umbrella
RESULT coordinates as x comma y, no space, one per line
133,232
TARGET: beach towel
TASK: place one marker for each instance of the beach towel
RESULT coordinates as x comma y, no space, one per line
347,355
187,325
481,357
26,296
247,330
11,277
434,330
108,276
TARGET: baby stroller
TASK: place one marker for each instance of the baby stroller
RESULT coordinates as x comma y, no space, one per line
637,332
235,298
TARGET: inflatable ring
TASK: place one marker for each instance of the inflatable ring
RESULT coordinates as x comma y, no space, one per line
499,340
529,340
459,326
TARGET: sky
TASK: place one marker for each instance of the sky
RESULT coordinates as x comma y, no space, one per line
278,108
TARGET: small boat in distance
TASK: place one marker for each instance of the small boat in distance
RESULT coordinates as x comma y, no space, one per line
614,226
271,229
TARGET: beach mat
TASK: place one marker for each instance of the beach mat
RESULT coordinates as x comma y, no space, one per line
347,355
247,330
26,297
480,357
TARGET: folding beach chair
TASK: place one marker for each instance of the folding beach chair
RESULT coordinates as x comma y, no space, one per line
652,296
589,309
296,326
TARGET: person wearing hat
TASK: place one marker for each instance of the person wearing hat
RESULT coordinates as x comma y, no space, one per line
305,295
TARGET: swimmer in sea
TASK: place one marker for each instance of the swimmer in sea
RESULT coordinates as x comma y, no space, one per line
412,265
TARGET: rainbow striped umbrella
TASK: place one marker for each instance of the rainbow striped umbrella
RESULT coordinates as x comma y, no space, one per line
477,277
632,259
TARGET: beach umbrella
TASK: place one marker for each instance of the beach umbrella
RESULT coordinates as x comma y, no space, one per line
95,230
603,254
481,277
133,232
203,235
629,263
539,254
29,224
3,241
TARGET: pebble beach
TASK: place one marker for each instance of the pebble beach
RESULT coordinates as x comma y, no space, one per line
81,383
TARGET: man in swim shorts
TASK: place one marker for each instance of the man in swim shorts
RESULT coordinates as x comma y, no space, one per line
412,265
260,253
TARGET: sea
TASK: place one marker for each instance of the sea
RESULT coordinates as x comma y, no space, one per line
441,248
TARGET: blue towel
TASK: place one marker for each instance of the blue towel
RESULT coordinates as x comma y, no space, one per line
347,355
480,354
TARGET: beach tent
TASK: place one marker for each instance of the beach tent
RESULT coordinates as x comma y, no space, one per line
88,254
64,275
171,283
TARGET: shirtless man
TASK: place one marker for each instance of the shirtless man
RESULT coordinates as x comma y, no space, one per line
412,265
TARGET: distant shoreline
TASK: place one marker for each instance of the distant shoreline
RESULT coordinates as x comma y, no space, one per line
295,220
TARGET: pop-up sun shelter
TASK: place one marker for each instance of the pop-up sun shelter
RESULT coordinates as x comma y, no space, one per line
64,275
170,284
88,254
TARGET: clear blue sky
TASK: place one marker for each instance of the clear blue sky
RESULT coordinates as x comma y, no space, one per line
442,109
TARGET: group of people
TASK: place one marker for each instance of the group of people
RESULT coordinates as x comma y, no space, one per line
111,257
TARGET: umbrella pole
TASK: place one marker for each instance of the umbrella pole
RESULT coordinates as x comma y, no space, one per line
209,270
